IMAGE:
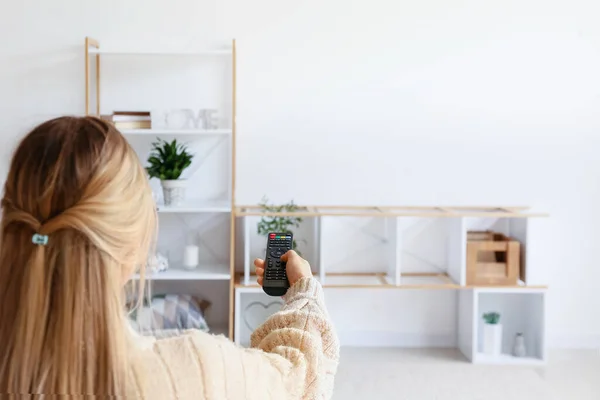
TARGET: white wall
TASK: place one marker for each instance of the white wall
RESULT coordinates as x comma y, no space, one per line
381,101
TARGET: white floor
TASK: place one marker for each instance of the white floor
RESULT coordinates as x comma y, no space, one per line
444,374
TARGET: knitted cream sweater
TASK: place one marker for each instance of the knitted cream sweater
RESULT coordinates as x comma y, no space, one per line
294,355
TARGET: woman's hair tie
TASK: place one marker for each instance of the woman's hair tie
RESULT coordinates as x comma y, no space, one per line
39,239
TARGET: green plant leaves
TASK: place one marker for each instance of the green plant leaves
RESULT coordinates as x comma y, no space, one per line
491,318
167,161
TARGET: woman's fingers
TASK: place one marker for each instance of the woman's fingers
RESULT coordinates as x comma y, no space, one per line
259,263
296,267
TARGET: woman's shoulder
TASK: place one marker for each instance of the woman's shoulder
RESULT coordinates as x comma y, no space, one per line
197,365
186,340
179,366
190,344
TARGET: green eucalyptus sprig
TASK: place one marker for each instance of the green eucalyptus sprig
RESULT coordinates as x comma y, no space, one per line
279,224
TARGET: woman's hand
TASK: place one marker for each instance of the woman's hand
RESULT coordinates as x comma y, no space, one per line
296,267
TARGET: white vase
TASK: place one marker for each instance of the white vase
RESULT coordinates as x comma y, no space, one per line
492,339
174,191
520,350
191,256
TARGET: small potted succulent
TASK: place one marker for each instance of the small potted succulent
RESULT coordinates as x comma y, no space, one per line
166,162
492,334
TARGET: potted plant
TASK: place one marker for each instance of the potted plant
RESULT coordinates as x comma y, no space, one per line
167,162
492,334
279,224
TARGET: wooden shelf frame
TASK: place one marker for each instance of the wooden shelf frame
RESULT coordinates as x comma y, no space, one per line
393,274
394,211
399,236
394,278
92,50
91,44
445,282
155,53
176,132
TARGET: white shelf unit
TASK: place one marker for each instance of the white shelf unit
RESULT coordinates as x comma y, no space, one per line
252,308
507,359
205,218
196,206
204,272
360,249
176,132
521,311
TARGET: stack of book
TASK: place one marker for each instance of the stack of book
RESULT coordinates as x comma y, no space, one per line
129,119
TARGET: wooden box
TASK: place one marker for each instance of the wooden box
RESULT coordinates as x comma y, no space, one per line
493,259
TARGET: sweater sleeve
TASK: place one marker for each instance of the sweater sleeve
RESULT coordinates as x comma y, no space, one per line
294,356
302,333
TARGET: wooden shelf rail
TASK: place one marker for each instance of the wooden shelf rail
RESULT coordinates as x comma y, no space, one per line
394,211
429,278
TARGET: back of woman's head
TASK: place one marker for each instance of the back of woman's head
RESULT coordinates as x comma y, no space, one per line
76,183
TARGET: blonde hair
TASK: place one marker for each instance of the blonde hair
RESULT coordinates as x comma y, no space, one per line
62,323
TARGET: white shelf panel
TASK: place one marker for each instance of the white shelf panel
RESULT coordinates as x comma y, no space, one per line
182,132
196,206
204,272
423,281
522,288
253,287
352,280
156,52
506,359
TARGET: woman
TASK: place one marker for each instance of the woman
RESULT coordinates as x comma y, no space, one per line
78,219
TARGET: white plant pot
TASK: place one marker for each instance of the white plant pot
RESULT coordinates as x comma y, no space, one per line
492,339
174,192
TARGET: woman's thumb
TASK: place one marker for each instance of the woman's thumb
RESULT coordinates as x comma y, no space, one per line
290,255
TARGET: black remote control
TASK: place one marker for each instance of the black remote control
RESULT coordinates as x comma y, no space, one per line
275,282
